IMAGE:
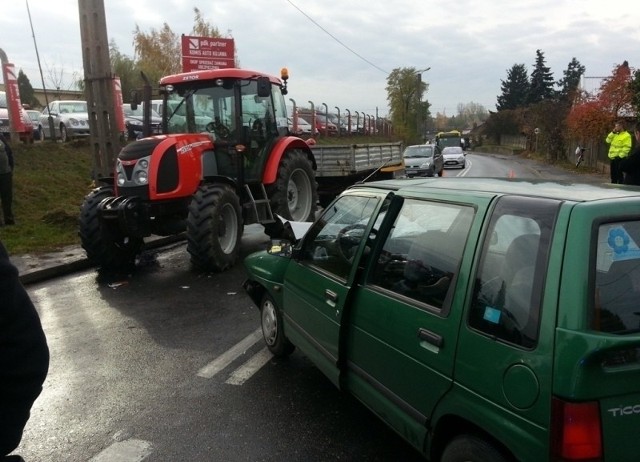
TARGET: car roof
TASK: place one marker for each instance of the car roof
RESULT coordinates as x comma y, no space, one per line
577,192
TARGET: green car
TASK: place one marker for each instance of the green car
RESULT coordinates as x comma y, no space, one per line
481,319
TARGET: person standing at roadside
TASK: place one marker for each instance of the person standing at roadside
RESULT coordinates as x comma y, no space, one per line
24,357
6,180
630,165
619,141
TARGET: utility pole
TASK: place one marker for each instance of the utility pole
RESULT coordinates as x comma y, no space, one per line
98,79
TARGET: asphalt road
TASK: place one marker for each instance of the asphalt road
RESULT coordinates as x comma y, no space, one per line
165,364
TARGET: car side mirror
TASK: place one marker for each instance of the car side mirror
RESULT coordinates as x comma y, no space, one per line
281,248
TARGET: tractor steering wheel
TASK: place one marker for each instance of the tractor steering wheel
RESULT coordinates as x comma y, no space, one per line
219,129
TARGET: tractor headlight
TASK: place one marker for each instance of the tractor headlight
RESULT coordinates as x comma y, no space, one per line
141,171
141,177
121,179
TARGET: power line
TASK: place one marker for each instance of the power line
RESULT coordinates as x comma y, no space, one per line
336,39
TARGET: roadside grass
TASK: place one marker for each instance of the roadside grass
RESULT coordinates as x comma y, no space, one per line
50,181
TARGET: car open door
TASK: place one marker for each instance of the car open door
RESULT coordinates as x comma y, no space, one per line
318,282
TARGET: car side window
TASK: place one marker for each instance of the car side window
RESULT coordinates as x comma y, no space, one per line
332,242
509,283
617,278
422,253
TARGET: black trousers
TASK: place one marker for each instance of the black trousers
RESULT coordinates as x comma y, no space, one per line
6,196
617,177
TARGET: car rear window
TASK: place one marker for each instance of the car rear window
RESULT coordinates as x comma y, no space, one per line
617,278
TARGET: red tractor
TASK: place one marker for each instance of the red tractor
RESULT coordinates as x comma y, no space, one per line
225,160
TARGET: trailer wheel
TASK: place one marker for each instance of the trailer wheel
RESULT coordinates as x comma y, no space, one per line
105,247
214,228
271,322
295,193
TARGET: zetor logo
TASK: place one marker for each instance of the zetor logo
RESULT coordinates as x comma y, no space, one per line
189,147
626,410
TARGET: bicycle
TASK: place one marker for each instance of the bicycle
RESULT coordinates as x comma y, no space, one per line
580,155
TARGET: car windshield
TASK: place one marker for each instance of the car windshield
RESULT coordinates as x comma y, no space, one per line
73,107
418,151
452,150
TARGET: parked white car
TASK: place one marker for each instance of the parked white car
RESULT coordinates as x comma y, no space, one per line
70,120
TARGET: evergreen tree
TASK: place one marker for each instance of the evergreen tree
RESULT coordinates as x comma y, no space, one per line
515,89
571,81
27,94
541,81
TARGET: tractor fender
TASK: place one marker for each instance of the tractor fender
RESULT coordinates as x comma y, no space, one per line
275,156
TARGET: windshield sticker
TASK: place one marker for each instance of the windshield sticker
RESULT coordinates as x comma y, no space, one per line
492,315
624,248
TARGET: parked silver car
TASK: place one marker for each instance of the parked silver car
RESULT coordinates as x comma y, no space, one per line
454,156
423,160
70,120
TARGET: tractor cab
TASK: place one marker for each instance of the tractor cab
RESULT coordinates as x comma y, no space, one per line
242,113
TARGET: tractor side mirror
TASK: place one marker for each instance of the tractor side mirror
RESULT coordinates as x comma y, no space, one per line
264,87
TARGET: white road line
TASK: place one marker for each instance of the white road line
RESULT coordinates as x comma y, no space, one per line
124,451
230,355
250,367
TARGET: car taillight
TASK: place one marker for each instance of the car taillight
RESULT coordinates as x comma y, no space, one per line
576,431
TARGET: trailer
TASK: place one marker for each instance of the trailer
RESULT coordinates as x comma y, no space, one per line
341,166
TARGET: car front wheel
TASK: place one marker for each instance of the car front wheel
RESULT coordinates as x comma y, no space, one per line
64,136
272,332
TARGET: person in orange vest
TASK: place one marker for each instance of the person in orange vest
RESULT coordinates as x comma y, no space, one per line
619,141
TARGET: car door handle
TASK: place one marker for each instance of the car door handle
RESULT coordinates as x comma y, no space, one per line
430,337
331,295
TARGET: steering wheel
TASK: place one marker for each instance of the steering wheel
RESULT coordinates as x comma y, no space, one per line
219,129
348,239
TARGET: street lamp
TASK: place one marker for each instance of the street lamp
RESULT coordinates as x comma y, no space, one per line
294,117
348,121
313,119
326,119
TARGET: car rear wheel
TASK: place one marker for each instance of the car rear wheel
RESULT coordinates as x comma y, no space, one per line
471,448
271,323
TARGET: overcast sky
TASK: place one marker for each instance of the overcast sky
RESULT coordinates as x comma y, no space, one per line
340,53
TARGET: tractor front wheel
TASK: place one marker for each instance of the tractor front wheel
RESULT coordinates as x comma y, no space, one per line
107,248
214,228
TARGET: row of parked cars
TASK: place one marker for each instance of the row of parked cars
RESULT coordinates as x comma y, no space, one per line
70,120
431,159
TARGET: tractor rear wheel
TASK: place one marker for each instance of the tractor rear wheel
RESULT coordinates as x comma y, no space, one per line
214,228
107,248
294,195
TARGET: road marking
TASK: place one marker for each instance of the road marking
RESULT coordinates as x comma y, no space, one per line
230,355
250,367
124,451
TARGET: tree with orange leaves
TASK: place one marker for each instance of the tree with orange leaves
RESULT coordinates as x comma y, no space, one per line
591,117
